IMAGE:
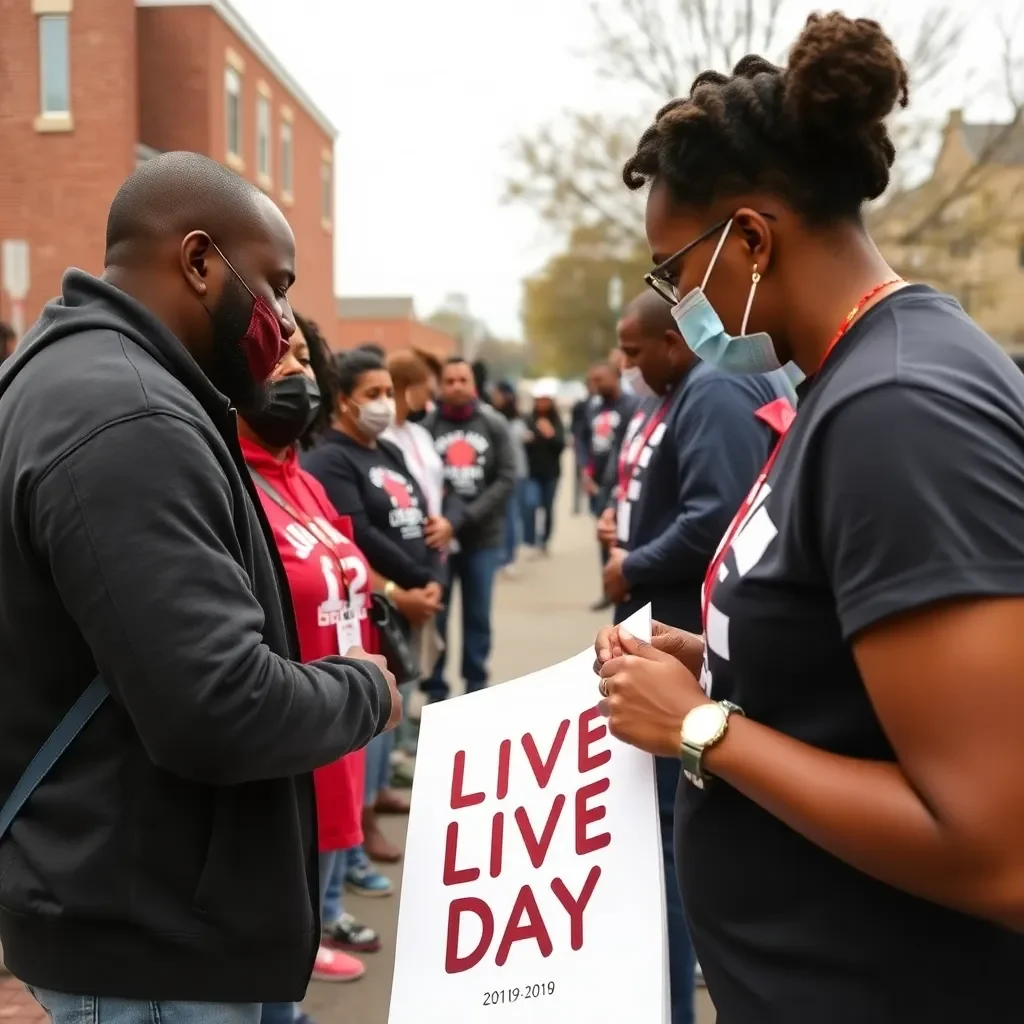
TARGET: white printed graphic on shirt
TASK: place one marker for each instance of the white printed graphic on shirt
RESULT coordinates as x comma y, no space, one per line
752,541
716,633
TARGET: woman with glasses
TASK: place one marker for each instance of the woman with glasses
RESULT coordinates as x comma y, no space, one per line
850,825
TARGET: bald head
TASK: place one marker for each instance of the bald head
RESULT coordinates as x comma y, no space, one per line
201,247
175,193
650,339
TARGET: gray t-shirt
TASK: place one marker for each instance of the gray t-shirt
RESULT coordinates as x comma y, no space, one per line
899,485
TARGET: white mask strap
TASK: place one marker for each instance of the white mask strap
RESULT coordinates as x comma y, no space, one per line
754,280
714,258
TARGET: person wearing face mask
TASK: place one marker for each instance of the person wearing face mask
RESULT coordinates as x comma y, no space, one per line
367,478
690,456
329,581
156,705
473,442
850,723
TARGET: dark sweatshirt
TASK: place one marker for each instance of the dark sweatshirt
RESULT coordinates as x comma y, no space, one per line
387,507
544,454
172,852
699,465
479,470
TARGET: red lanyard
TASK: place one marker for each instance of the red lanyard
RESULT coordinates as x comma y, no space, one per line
781,425
637,444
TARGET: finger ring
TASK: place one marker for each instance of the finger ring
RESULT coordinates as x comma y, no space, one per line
602,687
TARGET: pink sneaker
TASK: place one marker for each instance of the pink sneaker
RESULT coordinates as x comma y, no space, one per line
333,965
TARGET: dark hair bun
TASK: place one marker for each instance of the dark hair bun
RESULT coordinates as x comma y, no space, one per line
845,77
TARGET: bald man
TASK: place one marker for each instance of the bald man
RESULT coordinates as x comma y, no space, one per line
690,458
170,856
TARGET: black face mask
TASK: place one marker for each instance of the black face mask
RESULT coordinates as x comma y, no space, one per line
418,416
291,406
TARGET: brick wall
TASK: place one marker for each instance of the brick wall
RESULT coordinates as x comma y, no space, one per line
55,187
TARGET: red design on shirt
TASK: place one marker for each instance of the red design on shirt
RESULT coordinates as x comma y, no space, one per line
460,453
327,583
396,487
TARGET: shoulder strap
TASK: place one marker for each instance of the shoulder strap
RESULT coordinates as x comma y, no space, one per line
269,490
50,752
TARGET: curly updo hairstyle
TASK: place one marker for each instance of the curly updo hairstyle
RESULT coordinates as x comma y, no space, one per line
812,133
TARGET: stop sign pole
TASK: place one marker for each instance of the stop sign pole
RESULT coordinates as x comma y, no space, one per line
16,281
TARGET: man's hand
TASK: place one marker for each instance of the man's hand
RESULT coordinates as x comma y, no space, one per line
545,429
438,533
606,527
616,586
646,695
396,698
589,485
435,592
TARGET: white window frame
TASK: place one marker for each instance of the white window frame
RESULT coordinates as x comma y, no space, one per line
233,89
287,142
55,118
264,159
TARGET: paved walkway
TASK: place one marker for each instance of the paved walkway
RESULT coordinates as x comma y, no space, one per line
540,618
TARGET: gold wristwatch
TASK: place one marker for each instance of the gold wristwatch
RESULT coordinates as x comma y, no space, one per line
702,728
389,589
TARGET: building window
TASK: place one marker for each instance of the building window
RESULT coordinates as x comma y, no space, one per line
54,66
263,138
286,159
233,111
326,191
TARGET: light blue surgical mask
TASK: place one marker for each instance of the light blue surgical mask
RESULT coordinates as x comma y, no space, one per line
702,329
633,383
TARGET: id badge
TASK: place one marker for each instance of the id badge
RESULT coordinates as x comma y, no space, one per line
349,632
622,521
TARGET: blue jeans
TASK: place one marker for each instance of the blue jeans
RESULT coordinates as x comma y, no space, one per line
475,571
332,884
514,523
681,958
69,1009
540,497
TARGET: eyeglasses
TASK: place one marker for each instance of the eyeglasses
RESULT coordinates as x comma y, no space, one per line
664,278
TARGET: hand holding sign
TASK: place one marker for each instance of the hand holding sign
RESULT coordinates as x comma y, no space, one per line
647,694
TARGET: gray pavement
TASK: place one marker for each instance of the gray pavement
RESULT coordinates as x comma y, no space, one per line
540,618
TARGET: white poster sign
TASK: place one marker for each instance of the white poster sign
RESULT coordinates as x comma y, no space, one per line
15,277
533,888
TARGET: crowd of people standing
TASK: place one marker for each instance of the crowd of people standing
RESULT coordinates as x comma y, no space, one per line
229,556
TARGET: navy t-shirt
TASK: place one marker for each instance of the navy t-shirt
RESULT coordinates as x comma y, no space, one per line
900,484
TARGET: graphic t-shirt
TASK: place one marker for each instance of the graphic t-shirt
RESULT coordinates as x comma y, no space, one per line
375,487
900,484
606,423
329,582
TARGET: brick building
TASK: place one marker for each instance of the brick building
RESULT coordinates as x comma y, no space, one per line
91,87
390,323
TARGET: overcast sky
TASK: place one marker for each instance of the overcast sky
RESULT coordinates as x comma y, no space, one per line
427,96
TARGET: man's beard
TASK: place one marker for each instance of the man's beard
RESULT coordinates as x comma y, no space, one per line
228,368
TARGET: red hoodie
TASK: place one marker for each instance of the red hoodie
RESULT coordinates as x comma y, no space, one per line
319,600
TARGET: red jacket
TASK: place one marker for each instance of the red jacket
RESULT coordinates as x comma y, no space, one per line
330,613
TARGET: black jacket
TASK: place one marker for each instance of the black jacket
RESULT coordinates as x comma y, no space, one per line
479,470
172,852
544,454
388,510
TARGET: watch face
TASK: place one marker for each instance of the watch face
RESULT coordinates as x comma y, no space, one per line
704,724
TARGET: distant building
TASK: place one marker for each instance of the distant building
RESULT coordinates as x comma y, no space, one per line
388,322
91,87
963,229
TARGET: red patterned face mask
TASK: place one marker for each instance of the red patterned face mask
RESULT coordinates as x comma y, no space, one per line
263,343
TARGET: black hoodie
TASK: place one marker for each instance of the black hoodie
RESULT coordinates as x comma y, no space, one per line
172,852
